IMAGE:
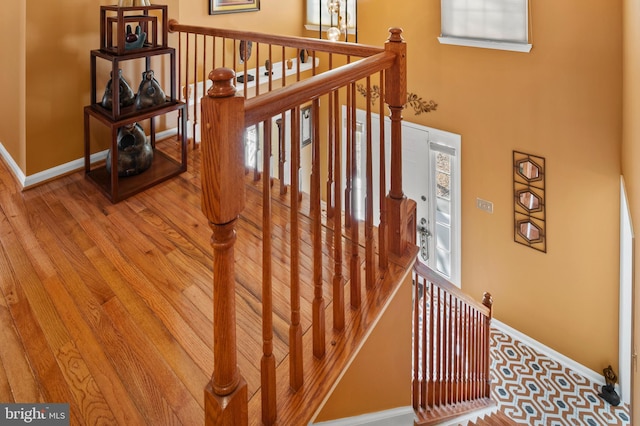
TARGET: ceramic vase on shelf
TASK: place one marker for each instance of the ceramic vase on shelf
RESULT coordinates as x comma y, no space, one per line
135,153
127,97
149,93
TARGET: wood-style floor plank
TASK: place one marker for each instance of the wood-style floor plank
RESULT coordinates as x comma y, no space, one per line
5,388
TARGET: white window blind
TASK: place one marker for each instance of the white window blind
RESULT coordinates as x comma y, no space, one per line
504,22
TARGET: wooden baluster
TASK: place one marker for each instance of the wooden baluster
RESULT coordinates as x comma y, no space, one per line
188,90
224,55
330,156
338,289
256,169
480,391
318,299
452,346
271,72
283,80
383,258
445,348
463,348
476,352
257,61
222,203
469,354
180,82
349,160
194,125
314,71
487,301
203,66
370,273
433,338
396,97
417,343
463,352
268,362
438,368
214,57
459,358
450,349
295,330
480,355
354,268
427,342
282,153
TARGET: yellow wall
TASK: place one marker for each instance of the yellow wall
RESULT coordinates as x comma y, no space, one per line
631,145
12,81
275,17
562,101
386,354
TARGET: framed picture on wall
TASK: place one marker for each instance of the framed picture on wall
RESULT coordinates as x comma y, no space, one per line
305,126
232,6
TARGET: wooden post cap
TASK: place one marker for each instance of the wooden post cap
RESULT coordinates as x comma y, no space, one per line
395,34
487,300
222,79
171,25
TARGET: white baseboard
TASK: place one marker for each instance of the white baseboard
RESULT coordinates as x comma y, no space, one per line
403,416
551,353
62,169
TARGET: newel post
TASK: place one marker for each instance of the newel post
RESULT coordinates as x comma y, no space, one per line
401,212
222,201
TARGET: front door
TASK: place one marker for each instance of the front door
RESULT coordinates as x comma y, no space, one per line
431,177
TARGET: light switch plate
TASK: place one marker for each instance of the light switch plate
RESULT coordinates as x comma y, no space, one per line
485,205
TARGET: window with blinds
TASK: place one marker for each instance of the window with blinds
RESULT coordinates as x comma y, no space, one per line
499,24
318,14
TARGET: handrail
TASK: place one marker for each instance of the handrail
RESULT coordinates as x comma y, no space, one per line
263,107
337,47
451,348
449,287
226,114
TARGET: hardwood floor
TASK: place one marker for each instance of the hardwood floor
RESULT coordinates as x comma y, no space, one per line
108,307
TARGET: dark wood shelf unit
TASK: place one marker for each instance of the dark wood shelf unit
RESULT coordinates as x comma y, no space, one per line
153,21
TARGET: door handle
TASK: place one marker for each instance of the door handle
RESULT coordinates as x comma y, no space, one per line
424,239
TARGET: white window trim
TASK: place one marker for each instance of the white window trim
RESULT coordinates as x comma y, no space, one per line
460,29
316,27
487,44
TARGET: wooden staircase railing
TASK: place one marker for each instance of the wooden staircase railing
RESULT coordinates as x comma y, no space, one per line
451,349
326,240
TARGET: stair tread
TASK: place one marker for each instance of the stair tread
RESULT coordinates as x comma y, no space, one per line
498,418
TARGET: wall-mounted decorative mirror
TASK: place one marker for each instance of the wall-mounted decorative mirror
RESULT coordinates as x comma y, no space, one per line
529,220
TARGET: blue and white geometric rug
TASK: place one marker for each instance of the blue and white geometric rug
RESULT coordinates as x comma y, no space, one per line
535,390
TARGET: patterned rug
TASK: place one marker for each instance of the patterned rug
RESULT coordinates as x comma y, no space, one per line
535,390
